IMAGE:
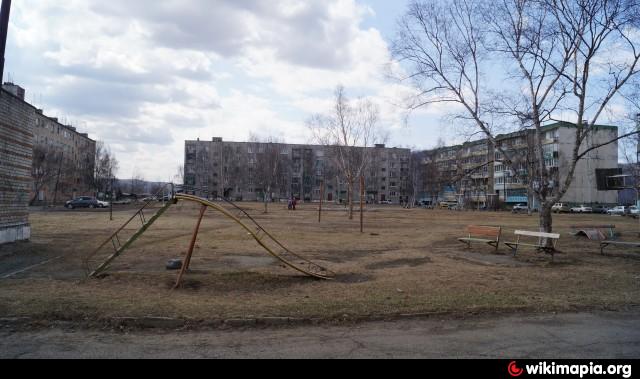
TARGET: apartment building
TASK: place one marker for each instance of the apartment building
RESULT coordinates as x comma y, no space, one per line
476,172
63,159
231,169
16,148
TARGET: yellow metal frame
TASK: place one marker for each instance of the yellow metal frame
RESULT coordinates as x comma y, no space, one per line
283,254
312,269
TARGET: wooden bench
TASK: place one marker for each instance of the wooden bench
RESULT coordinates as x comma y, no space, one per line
604,244
594,232
541,245
489,235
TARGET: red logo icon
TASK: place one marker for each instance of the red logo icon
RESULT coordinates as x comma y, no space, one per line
514,370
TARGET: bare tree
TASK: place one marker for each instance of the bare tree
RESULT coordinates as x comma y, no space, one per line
268,167
556,55
415,182
137,184
46,169
105,169
234,163
179,175
347,133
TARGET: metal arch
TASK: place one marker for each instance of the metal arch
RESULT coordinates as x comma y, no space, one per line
312,269
283,254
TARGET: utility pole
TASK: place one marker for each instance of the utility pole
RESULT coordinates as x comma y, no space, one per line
4,29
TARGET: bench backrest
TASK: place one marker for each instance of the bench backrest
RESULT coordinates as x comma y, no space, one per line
542,237
491,232
537,234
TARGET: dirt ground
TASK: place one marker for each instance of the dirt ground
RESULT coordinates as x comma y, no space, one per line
407,261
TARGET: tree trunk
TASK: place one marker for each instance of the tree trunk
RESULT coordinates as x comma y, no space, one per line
266,197
546,220
350,198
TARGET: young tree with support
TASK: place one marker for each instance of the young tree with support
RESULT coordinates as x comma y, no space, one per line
347,133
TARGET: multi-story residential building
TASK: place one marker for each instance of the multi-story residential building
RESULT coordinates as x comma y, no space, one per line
476,172
220,168
72,152
16,149
63,159
459,173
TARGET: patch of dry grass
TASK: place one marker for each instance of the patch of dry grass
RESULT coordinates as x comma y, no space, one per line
408,261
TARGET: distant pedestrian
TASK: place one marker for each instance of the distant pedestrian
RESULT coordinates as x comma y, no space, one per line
290,205
295,202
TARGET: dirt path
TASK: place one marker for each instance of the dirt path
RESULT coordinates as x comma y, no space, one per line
581,335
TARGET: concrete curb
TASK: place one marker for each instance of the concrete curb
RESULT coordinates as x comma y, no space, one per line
168,323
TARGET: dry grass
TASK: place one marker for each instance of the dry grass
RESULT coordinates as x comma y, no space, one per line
408,261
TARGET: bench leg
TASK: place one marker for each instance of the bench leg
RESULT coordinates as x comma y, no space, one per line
602,246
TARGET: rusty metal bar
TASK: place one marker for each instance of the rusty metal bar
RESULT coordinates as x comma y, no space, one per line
187,259
129,242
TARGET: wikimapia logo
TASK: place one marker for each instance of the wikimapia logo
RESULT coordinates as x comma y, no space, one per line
544,368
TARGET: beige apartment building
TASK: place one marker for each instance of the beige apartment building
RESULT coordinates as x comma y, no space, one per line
63,159
475,173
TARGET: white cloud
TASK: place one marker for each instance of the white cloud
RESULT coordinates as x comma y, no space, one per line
145,75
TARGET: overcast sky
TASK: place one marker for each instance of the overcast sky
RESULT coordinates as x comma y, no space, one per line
146,75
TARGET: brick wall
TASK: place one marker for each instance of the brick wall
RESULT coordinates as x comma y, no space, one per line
16,149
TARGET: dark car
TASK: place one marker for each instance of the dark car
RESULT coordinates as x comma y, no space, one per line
600,209
82,202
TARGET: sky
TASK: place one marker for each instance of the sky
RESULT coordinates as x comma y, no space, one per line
144,76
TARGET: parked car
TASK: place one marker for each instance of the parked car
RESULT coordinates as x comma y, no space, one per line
561,208
385,202
448,204
619,210
600,209
82,202
582,209
634,211
520,208
103,204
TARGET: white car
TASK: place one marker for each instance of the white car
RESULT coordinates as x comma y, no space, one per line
634,211
103,204
582,209
619,210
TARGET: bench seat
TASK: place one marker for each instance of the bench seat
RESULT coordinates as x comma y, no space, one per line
540,246
605,244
